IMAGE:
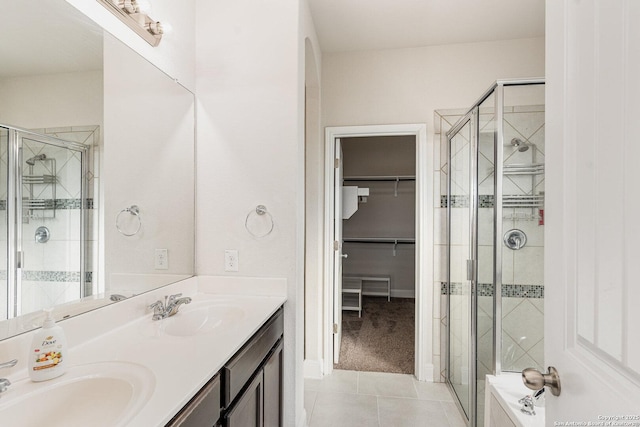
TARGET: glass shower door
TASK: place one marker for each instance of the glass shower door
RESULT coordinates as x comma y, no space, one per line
461,215
50,222
5,291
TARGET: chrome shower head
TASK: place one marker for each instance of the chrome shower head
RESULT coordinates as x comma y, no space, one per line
32,160
520,144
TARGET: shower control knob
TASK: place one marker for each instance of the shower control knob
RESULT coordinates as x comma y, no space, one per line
535,380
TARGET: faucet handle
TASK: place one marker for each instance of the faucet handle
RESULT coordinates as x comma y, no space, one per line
157,304
172,298
527,405
9,364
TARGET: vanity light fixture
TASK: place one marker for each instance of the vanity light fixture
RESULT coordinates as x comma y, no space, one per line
129,12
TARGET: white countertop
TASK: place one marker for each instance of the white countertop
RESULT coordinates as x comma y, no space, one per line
181,364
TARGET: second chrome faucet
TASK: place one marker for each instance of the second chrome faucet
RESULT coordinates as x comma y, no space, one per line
170,306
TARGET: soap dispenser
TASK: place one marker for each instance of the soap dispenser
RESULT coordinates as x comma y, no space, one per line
48,351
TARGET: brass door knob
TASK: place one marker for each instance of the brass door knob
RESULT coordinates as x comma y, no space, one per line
535,380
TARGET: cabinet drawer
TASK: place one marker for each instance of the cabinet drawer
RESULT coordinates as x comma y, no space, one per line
203,409
242,366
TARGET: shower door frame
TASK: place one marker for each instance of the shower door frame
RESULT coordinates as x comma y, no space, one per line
14,215
472,115
471,118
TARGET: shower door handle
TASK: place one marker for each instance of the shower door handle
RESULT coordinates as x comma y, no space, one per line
471,269
19,259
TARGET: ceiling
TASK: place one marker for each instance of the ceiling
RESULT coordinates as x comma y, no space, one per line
350,25
47,37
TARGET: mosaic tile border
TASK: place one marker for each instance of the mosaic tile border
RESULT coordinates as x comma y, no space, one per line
59,203
52,276
462,201
508,290
457,201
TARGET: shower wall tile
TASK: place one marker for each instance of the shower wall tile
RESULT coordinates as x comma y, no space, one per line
61,255
528,266
485,264
523,334
436,187
436,306
37,295
507,266
440,226
534,232
485,226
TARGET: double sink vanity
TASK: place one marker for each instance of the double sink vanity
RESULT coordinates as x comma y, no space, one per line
216,361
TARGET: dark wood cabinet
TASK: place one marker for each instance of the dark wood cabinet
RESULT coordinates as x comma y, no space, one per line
258,364
272,372
203,410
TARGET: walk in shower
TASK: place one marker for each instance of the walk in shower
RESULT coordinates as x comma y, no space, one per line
495,215
43,206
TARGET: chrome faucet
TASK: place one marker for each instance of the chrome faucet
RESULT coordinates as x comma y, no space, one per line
529,402
527,405
5,383
170,306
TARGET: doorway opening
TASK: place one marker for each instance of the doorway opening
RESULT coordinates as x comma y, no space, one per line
378,226
378,248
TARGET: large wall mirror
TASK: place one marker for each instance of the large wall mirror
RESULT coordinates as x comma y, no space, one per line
97,199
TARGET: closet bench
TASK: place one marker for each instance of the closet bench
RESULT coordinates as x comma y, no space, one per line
356,285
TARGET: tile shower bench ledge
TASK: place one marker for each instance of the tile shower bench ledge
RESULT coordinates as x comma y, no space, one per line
182,365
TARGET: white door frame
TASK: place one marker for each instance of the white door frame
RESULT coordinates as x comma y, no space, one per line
424,239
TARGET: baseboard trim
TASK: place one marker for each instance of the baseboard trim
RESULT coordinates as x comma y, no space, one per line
302,419
403,293
312,369
427,373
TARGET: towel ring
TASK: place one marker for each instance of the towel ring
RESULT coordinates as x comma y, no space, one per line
260,210
133,210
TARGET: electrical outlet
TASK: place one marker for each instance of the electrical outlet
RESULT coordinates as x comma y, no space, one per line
162,259
230,260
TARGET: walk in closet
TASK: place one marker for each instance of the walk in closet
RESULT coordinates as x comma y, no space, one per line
378,228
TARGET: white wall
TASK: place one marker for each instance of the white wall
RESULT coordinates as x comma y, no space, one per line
250,90
408,85
52,100
175,55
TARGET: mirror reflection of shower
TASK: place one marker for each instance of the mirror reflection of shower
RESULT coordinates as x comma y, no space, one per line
521,145
32,161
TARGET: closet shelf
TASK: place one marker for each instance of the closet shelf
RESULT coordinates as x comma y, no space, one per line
380,178
395,241
388,178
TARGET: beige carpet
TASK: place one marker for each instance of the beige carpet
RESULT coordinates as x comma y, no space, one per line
382,340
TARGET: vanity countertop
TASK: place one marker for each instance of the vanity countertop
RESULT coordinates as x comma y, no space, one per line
181,364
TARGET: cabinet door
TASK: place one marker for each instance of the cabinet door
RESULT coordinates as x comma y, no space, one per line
248,411
203,410
273,388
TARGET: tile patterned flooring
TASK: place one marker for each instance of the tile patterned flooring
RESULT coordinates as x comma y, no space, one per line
369,399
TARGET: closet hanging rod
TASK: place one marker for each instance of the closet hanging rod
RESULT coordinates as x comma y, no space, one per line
381,178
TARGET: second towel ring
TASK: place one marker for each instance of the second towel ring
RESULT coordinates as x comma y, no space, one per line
260,210
133,210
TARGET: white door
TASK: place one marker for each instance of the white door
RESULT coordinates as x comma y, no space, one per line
592,254
337,253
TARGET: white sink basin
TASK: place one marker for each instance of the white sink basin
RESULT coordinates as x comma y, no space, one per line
96,394
198,317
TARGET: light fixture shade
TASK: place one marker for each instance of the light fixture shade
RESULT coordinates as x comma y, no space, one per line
128,11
